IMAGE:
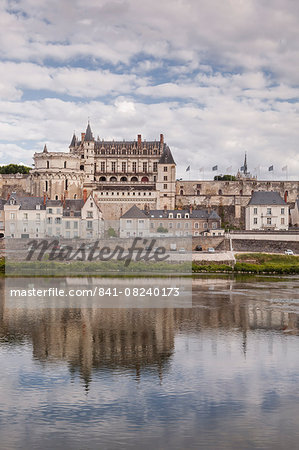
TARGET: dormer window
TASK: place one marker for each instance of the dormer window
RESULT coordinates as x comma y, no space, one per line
187,216
37,207
170,216
179,216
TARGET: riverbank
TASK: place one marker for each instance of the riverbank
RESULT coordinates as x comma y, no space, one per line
250,263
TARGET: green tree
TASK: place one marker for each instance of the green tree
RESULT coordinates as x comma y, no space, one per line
14,168
225,178
111,232
162,230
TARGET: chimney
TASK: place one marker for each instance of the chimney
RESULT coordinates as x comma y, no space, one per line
45,198
82,137
8,195
191,209
84,195
139,140
161,139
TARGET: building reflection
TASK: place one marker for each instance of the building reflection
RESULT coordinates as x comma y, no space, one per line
91,339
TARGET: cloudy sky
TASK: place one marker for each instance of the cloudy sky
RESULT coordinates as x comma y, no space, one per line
218,78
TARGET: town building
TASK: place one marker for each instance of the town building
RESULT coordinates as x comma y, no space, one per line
38,217
169,223
267,211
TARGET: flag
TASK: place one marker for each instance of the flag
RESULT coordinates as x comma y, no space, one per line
271,168
188,169
284,168
215,168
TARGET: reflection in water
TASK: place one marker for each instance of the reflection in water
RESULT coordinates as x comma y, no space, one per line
233,355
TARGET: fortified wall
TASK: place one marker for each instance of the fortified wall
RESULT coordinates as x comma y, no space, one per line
18,183
229,198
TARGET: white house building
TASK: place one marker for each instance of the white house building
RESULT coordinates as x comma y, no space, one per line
294,212
266,211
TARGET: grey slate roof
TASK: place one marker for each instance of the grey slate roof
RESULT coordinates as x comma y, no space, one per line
28,203
134,213
88,134
266,198
73,141
73,206
166,157
195,214
2,203
53,203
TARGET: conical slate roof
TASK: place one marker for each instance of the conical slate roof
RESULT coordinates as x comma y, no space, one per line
45,149
166,157
74,140
88,134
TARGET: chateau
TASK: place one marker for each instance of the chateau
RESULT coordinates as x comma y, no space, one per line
119,173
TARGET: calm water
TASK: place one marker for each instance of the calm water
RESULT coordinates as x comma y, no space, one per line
223,374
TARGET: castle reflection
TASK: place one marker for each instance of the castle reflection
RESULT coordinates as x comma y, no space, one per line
91,339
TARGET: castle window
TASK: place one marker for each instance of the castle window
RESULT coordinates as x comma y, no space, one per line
155,167
144,167
66,184
113,167
198,192
134,179
134,166
81,167
102,151
241,192
123,167
196,225
64,164
123,151
144,151
48,164
144,179
102,166
165,169
198,186
165,186
56,197
220,192
123,179
113,179
82,156
181,192
165,178
102,179
46,185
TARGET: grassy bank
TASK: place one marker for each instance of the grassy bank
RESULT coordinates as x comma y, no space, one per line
255,263
250,263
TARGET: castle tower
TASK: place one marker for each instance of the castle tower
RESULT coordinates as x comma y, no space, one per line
87,155
166,177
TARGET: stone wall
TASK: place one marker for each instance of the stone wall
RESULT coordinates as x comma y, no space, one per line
18,183
268,246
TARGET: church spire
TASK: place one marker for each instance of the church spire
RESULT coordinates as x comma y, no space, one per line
45,149
245,164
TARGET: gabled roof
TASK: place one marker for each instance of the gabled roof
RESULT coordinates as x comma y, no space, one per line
134,213
266,198
73,206
88,134
194,214
166,157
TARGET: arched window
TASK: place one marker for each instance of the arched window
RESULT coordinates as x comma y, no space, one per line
220,192
64,165
123,152
134,179
113,179
46,185
181,192
56,197
123,179
66,184
75,196
48,164
144,179
241,192
102,179
82,167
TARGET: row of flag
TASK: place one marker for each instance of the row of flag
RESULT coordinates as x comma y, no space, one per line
229,169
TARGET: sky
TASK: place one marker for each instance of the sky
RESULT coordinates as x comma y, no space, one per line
217,78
